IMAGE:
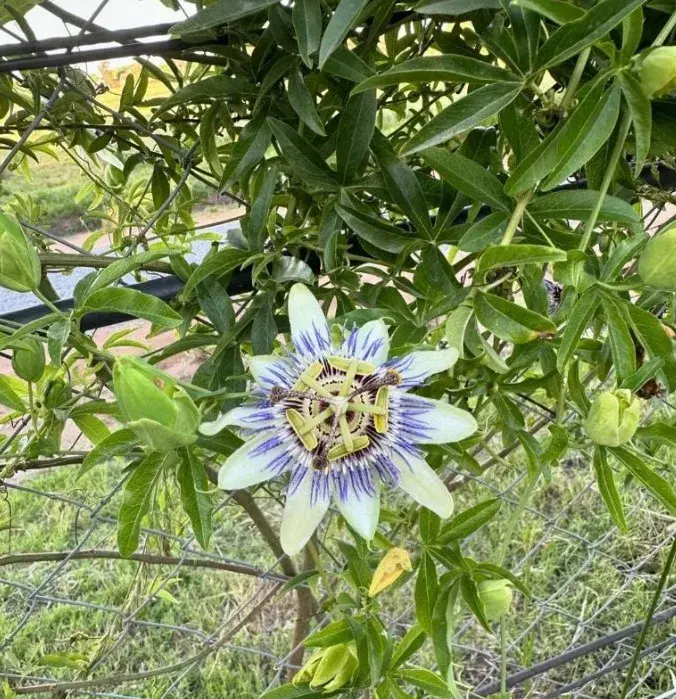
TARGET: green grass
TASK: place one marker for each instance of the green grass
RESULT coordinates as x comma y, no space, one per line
54,186
203,599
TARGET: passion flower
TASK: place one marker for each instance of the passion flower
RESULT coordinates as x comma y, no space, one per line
20,268
342,422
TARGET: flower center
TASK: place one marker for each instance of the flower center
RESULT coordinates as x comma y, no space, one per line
338,407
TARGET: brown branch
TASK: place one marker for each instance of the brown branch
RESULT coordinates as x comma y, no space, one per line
243,569
58,259
306,604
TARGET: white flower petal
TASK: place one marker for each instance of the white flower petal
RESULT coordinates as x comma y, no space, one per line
269,371
257,460
428,421
416,367
252,417
309,329
371,343
423,484
361,511
303,512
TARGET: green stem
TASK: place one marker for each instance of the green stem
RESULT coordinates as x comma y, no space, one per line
47,302
651,611
666,30
62,259
503,659
515,220
575,78
607,179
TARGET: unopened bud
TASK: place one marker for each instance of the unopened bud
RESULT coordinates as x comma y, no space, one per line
160,412
57,393
613,417
496,596
29,363
20,268
658,71
392,565
657,264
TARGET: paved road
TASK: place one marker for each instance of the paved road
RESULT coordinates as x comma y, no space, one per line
65,283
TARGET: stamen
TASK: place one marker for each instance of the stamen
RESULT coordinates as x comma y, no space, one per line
360,442
297,422
344,363
365,408
312,372
380,421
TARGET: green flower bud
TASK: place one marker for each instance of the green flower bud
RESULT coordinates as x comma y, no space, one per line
57,393
335,668
613,417
658,71
29,364
496,596
20,268
657,264
161,413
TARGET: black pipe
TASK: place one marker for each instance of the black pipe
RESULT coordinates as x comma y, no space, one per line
71,42
152,48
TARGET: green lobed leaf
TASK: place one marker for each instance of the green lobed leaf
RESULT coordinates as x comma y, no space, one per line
307,21
355,131
213,88
510,321
134,303
605,481
9,398
215,265
463,115
484,233
621,344
332,634
344,17
118,443
402,184
303,103
375,231
579,204
195,497
426,590
305,161
444,68
137,500
578,320
574,36
652,335
455,7
468,521
571,144
655,483
641,117
468,177
428,681
219,13
514,255
557,11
